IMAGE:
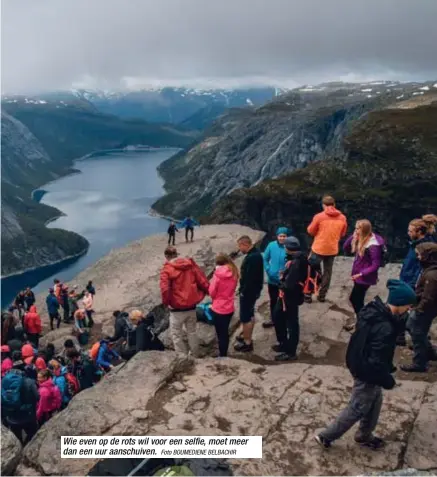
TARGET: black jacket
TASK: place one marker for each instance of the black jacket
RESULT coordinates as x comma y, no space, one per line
371,348
146,338
252,274
293,278
121,326
426,288
172,229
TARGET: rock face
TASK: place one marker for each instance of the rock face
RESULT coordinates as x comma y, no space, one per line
244,148
11,451
245,394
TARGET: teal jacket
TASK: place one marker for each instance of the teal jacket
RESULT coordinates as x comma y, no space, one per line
274,261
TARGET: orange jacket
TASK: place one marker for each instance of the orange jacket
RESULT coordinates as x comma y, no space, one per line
327,228
183,284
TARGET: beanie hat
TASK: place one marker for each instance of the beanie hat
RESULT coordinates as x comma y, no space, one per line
27,351
282,231
292,244
400,294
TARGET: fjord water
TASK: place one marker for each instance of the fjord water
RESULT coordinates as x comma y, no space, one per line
107,203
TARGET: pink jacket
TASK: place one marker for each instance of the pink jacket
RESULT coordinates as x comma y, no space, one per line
222,290
6,365
49,399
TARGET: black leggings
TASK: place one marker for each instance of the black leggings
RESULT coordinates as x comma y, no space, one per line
191,231
287,326
55,316
171,238
357,296
221,323
273,295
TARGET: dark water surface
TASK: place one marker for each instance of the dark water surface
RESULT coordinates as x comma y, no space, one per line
107,203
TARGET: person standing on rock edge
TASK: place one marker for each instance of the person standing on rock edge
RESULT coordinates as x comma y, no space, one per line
291,296
53,309
251,285
421,318
183,286
188,224
172,229
327,228
222,291
368,248
369,358
32,325
274,263
87,302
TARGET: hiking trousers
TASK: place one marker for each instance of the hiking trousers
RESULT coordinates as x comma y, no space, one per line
364,406
30,428
221,324
273,295
287,326
327,266
55,316
171,238
189,230
418,327
183,328
358,296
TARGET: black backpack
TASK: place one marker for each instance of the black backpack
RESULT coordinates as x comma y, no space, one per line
356,354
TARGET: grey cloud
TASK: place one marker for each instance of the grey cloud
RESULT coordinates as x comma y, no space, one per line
54,44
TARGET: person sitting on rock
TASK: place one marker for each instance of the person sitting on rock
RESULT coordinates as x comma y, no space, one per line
183,286
146,338
19,401
171,231
188,224
82,368
251,285
222,291
274,263
53,309
421,318
286,317
50,399
106,354
327,228
369,358
32,325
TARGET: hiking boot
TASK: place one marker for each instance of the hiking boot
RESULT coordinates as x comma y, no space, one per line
285,357
371,442
268,324
414,368
244,347
321,299
308,299
240,338
278,348
322,441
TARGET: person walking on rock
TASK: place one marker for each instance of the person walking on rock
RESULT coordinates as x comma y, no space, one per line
53,309
291,296
183,286
368,249
222,291
251,285
327,228
369,358
274,263
188,224
172,229
32,325
421,318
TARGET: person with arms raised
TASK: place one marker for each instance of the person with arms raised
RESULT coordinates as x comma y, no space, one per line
274,263
188,224
327,228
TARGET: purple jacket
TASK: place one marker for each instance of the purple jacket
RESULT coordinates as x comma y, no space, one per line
369,263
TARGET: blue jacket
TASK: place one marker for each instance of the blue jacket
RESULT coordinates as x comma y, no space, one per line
411,268
61,382
188,223
274,261
52,304
105,355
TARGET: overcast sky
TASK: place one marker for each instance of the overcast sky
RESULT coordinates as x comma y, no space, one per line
57,44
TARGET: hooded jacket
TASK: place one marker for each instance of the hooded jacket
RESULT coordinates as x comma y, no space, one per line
106,355
368,264
327,228
373,362
50,400
293,278
252,275
61,383
222,290
426,288
32,322
52,304
183,284
6,365
274,262
411,267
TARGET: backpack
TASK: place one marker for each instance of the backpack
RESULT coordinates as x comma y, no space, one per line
356,354
203,313
72,384
11,391
94,351
130,331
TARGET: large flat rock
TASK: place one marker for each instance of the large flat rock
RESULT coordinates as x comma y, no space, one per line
10,451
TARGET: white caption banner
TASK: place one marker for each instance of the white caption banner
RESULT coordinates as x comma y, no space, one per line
194,447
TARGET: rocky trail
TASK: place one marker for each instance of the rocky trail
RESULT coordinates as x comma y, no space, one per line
245,394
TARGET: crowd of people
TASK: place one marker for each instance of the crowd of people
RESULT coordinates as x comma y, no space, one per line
36,382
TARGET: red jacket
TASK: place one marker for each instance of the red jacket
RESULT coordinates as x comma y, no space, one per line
183,284
32,321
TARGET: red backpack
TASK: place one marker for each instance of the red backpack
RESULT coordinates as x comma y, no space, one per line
72,384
